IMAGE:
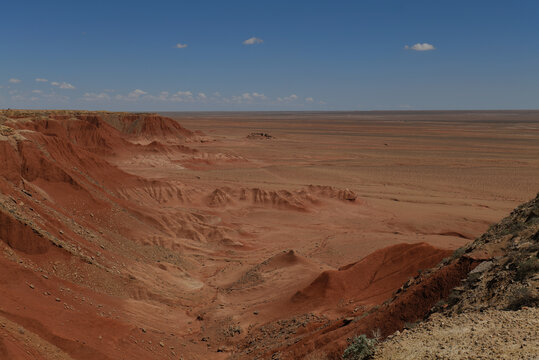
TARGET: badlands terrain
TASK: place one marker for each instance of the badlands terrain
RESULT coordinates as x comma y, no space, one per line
263,235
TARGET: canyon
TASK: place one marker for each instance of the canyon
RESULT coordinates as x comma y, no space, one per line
243,235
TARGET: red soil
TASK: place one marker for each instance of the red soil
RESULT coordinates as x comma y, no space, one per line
372,279
150,245
408,307
70,193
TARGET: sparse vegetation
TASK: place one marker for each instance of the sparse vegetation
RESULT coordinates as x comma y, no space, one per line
440,304
232,330
359,348
457,253
526,268
377,334
522,297
410,325
445,261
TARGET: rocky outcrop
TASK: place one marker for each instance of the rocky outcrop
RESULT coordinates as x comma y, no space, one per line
493,312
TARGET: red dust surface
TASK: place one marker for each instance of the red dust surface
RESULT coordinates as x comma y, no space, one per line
372,279
127,236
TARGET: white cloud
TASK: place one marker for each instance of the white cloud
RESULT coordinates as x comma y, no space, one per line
182,96
96,96
259,96
184,93
245,98
14,81
132,96
37,91
180,46
292,97
63,85
66,86
253,41
135,94
420,47
41,80
192,97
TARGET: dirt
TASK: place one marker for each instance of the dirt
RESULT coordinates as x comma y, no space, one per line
492,334
139,236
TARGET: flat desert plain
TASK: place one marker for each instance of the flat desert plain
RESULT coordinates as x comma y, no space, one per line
237,235
438,177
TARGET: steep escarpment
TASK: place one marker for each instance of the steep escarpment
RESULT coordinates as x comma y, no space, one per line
104,133
499,296
508,277
146,128
74,247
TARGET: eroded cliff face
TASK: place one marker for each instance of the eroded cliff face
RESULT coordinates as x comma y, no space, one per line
507,277
100,262
493,311
70,228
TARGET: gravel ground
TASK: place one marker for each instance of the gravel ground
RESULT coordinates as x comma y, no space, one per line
493,334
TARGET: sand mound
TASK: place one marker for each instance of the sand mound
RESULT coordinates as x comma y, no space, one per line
373,278
288,264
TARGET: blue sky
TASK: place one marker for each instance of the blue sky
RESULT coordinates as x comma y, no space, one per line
270,55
